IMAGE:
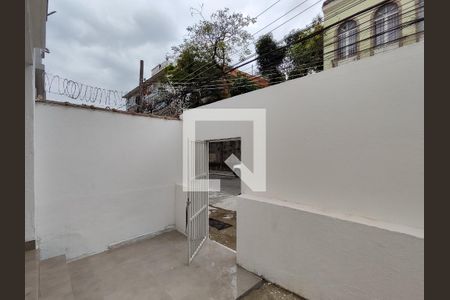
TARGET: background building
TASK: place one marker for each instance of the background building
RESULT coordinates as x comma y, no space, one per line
150,88
389,25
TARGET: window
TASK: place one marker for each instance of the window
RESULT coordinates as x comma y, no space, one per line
387,24
420,15
347,34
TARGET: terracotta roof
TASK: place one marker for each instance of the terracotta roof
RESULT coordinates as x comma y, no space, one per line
258,80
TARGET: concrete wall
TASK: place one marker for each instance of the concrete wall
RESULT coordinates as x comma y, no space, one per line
29,153
325,257
102,178
347,140
35,28
342,217
180,209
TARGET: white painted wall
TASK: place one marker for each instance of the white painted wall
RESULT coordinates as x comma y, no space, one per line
347,140
343,214
102,178
29,153
35,23
324,257
180,209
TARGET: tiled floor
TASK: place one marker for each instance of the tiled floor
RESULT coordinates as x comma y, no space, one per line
156,269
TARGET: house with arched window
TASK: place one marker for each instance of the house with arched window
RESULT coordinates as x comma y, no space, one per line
361,28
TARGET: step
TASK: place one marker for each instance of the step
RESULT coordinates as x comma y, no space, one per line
31,275
54,279
246,282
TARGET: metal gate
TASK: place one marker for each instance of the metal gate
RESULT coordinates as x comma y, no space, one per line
197,218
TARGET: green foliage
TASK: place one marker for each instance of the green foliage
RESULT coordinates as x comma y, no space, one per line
222,35
270,57
193,91
304,57
242,85
203,57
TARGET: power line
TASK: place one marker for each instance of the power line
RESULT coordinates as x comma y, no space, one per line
176,105
261,13
280,17
212,64
311,35
331,53
309,66
346,7
360,30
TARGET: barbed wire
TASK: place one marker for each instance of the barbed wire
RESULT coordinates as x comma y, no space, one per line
84,93
179,101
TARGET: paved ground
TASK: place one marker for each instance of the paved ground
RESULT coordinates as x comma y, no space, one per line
230,185
227,236
269,291
223,208
155,268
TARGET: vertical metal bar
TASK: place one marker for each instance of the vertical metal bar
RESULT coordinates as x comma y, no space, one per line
198,223
189,199
196,195
193,193
201,193
192,198
207,192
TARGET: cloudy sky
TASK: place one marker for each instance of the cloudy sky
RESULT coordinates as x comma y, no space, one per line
100,42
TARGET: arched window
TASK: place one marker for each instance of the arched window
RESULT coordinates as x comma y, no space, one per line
387,24
347,33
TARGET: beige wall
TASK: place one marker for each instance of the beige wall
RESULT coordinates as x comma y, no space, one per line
340,9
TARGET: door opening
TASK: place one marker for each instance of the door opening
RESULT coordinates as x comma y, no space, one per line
222,204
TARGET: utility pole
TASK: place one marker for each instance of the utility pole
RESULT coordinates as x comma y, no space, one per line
141,81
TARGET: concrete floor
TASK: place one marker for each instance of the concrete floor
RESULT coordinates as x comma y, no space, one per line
151,269
223,208
270,291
